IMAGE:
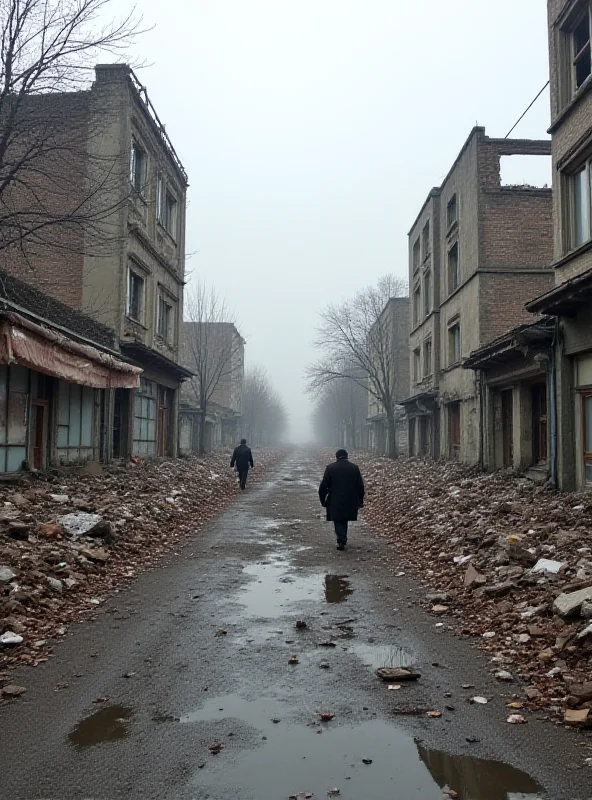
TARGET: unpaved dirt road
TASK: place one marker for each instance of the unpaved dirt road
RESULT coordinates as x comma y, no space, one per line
173,684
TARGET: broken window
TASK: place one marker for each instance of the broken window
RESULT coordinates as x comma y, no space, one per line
166,208
135,296
427,293
526,171
425,240
427,358
417,305
451,212
580,44
454,344
144,437
453,268
416,255
417,365
138,167
164,325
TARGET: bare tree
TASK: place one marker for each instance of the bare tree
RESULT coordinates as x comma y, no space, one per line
49,197
213,351
356,341
264,419
340,412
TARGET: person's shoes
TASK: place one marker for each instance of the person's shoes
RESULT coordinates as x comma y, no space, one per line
341,546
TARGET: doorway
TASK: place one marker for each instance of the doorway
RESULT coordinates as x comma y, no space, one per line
39,427
454,428
507,398
121,423
539,423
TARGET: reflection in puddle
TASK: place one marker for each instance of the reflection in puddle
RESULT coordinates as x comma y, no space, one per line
292,757
275,589
107,725
383,655
477,777
337,588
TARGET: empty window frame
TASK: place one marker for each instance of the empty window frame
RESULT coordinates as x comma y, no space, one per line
427,292
416,256
417,365
165,321
135,296
453,268
454,343
138,164
579,47
427,358
426,247
451,212
417,305
166,208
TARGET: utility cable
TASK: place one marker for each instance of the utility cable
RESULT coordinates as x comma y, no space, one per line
521,117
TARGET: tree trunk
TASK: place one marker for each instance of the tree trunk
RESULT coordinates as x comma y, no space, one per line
392,434
201,444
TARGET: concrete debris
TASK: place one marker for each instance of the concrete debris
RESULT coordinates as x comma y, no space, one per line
513,559
566,605
89,532
548,565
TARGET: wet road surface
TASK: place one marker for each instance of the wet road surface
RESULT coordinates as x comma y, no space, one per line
199,700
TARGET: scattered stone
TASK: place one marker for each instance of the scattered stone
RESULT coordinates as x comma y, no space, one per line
578,717
516,719
13,691
6,575
503,675
394,674
569,604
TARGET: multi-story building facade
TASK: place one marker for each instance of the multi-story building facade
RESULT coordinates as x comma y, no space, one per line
570,300
123,264
215,353
478,250
390,336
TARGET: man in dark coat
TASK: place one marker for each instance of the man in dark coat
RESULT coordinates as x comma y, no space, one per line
242,458
342,493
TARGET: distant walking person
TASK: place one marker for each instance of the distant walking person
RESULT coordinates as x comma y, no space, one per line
242,458
342,493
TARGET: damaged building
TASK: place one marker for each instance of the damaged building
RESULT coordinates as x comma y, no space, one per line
569,301
479,248
123,262
58,369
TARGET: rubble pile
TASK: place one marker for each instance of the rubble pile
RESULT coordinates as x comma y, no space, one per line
68,538
506,562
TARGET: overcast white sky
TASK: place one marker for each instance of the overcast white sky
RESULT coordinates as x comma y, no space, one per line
312,131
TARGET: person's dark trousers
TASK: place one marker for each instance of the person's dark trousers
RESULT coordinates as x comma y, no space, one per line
243,478
341,532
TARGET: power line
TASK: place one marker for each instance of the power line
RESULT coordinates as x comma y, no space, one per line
521,117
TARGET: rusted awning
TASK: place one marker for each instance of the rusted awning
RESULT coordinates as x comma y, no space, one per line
37,347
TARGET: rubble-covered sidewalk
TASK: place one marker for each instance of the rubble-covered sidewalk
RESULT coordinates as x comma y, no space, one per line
504,561
68,539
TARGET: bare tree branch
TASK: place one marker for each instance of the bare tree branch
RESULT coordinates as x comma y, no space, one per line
356,342
51,197
264,418
213,351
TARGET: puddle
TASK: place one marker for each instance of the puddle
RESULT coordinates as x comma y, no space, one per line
275,590
107,725
478,777
293,758
383,655
337,588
